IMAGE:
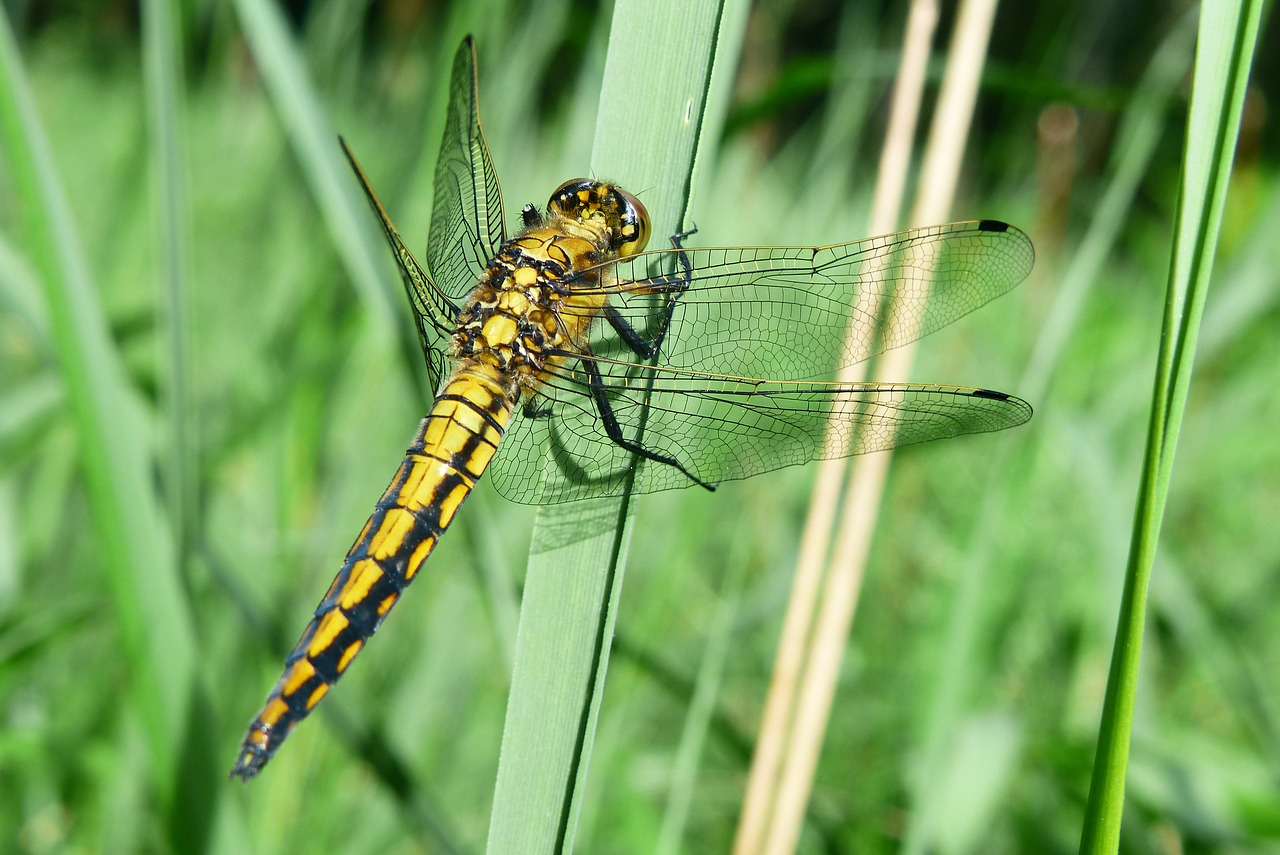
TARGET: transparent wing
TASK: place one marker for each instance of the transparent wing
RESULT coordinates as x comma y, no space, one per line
433,310
723,428
796,312
466,222
748,325
466,218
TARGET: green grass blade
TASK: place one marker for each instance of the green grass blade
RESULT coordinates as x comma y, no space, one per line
650,124
151,611
701,713
162,73
314,140
1228,34
197,787
283,68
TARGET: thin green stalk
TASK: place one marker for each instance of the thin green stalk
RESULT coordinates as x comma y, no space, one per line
702,701
163,74
314,140
1228,35
191,817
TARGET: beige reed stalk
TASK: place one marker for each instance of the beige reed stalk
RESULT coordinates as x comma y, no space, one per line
761,795
793,741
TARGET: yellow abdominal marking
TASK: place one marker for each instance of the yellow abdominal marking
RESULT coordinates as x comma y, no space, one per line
330,625
365,575
415,560
397,524
348,655
449,504
320,692
301,672
271,714
412,493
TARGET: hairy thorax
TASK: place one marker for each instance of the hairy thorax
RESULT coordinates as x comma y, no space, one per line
533,305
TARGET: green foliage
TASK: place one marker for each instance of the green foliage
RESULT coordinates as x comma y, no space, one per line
160,550
1227,38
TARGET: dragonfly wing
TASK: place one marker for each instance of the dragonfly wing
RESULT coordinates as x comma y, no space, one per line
722,428
768,313
556,451
466,218
804,311
434,312
733,428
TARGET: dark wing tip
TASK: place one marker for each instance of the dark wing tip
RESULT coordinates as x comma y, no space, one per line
997,227
990,393
1020,410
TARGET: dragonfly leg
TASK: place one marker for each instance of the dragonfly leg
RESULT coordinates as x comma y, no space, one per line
638,344
672,286
612,428
679,282
531,216
677,241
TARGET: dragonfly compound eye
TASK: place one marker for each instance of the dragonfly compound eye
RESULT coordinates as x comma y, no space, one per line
588,201
633,234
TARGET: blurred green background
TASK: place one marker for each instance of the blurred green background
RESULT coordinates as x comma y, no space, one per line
268,402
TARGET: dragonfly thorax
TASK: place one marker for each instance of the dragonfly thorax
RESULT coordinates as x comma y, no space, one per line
535,302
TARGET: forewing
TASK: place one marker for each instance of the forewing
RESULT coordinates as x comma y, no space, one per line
724,428
730,398
466,218
797,312
433,311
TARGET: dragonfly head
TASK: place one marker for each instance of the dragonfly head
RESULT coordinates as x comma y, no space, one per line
599,204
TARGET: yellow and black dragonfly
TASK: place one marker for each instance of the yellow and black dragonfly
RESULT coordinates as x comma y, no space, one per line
585,356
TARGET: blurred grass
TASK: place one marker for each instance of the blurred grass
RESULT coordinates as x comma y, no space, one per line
302,406
135,548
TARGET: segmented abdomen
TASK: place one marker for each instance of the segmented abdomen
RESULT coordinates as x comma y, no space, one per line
450,451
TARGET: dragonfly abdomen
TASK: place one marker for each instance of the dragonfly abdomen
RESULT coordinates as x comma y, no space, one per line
450,451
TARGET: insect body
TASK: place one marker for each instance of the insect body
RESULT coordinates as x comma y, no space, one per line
582,355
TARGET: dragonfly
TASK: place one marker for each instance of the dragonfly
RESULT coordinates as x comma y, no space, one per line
566,358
